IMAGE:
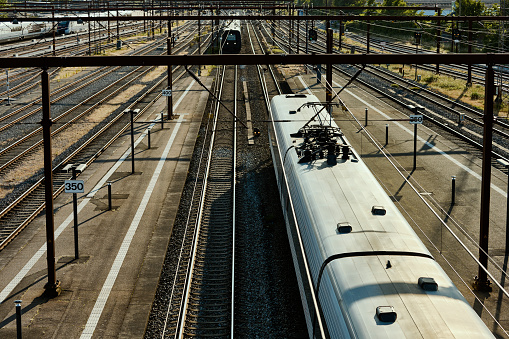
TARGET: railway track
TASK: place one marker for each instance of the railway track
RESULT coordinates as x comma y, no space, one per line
442,112
76,43
208,295
29,201
201,300
25,80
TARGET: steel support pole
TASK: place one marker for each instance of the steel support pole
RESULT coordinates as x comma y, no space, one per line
367,38
452,38
199,39
54,29
119,44
482,282
109,32
416,52
132,141
307,34
89,34
469,75
439,38
340,36
290,33
52,287
298,36
507,216
415,146
328,85
170,78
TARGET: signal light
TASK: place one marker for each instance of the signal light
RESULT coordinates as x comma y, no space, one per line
456,34
313,35
417,36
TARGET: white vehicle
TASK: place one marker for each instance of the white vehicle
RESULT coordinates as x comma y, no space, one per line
70,25
23,30
372,275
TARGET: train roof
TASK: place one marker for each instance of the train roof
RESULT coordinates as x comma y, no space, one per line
380,260
233,25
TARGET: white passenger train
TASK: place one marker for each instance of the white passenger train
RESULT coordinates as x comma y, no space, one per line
71,25
372,275
10,32
23,30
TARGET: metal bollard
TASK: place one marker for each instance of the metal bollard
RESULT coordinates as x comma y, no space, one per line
386,134
148,138
366,117
18,318
453,197
109,195
162,121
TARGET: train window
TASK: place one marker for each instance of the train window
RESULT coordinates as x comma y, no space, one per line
293,112
378,210
344,227
296,96
428,284
386,314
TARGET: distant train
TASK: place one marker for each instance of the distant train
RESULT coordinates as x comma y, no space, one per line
370,273
74,25
23,30
10,32
231,41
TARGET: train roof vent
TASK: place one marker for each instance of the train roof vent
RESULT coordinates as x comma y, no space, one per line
378,210
344,227
296,96
386,314
428,284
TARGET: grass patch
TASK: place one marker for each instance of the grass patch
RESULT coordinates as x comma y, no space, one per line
275,50
452,87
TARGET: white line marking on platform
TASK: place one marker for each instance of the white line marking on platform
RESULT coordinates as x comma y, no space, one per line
28,266
306,87
117,264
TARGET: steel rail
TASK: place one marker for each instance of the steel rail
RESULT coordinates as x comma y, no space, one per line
234,182
430,118
70,158
185,292
102,74
36,83
59,189
461,136
197,191
438,95
71,85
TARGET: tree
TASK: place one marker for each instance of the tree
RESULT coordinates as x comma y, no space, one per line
469,7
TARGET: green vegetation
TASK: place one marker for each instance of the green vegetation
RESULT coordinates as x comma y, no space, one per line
487,36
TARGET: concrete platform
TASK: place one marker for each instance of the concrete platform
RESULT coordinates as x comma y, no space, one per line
108,291
438,159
